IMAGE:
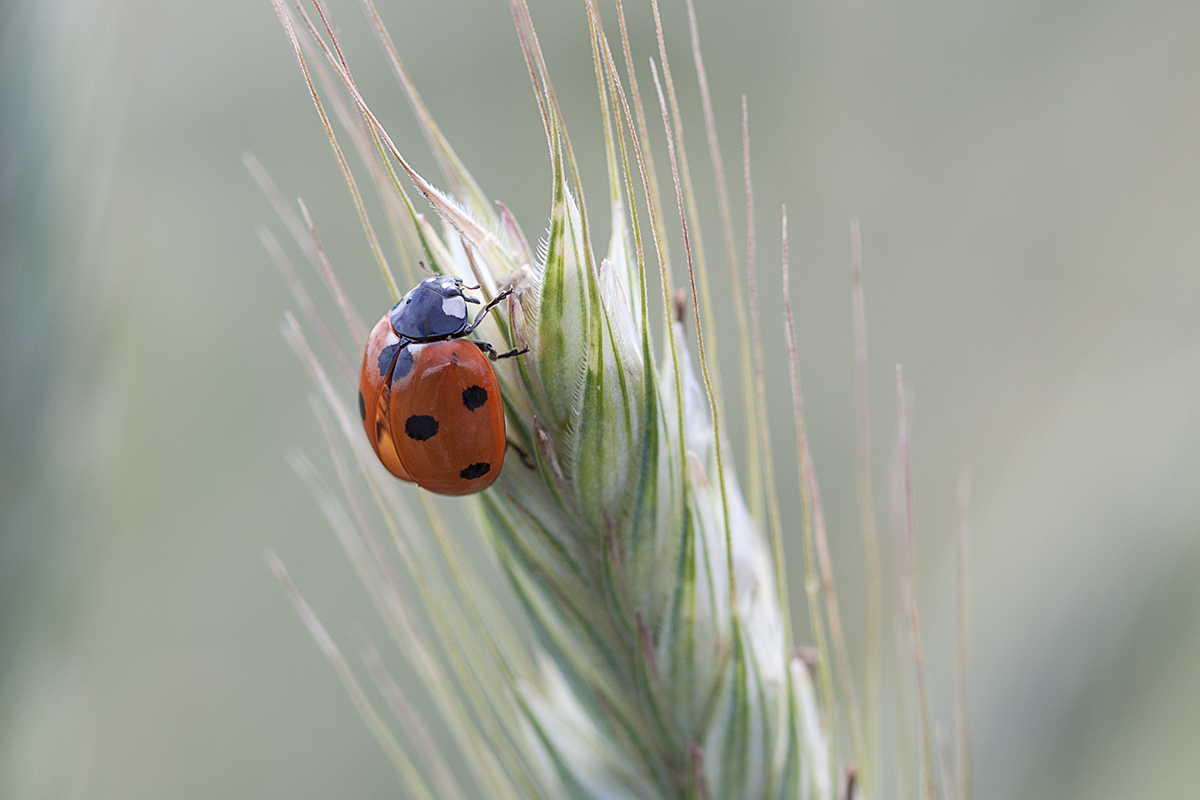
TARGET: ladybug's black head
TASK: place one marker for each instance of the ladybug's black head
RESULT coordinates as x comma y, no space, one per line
435,308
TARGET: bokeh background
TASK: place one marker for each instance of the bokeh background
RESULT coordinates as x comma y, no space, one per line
1027,175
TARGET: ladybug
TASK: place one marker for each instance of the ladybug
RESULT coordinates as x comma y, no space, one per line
427,395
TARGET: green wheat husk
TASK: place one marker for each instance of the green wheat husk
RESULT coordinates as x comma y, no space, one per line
651,655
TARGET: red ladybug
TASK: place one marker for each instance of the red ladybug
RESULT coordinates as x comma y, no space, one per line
428,397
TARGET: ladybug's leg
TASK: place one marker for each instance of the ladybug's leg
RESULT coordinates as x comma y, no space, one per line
483,312
486,347
516,351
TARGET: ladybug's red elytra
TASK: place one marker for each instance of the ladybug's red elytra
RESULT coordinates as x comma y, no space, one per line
427,395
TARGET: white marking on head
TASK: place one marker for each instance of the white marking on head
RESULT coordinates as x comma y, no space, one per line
455,307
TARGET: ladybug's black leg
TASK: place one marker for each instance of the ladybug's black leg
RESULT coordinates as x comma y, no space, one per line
516,351
524,456
487,347
483,312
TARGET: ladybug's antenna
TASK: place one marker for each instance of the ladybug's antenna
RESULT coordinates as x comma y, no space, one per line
425,269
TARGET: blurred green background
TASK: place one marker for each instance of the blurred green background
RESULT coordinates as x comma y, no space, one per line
1028,179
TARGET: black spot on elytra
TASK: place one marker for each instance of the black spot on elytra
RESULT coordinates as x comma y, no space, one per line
404,363
362,406
474,397
421,427
386,357
475,471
